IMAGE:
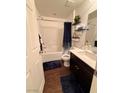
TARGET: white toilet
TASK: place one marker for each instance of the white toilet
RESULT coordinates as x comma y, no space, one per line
66,59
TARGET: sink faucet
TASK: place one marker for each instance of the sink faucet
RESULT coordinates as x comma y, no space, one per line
87,45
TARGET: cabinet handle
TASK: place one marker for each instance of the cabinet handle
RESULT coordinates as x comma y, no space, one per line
77,67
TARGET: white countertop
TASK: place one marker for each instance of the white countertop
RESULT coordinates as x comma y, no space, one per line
86,59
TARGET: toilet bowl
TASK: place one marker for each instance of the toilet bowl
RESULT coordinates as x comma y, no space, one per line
66,59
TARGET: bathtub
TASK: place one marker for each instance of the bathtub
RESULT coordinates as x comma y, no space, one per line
51,56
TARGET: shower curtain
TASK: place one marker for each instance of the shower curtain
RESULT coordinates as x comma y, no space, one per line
67,41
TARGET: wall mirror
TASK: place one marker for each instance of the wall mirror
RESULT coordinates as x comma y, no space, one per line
91,34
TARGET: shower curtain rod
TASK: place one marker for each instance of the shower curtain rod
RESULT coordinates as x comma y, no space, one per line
50,20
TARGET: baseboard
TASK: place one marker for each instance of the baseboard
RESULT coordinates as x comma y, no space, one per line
42,86
40,90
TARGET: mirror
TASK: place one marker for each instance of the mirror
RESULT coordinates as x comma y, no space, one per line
91,34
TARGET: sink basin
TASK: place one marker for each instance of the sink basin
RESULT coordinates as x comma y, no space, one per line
88,54
93,49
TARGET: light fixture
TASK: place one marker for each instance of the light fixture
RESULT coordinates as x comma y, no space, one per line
68,3
71,1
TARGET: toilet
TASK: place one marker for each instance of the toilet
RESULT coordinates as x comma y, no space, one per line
66,59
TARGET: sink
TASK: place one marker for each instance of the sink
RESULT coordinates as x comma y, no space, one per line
93,49
88,54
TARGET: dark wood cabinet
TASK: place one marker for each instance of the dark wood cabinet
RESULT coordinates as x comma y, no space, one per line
82,72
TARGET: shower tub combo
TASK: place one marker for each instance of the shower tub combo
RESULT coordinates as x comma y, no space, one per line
52,32
51,56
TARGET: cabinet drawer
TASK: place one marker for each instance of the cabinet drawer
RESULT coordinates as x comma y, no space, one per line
81,64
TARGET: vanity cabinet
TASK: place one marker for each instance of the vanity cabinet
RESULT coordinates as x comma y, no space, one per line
82,72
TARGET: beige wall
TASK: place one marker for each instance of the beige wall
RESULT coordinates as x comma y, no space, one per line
34,69
83,10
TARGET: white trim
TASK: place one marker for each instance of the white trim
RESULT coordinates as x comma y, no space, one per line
42,86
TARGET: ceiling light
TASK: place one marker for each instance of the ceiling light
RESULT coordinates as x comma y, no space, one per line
71,1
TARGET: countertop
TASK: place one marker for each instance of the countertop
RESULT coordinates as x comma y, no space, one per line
84,58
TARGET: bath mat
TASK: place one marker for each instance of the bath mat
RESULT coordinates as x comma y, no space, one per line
51,65
70,84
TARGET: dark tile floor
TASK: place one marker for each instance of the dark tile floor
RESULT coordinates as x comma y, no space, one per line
52,79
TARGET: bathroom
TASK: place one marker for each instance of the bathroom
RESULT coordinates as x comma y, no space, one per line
56,42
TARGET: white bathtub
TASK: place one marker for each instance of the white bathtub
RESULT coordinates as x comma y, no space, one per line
51,56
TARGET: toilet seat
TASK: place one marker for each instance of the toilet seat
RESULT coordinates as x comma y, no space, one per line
66,58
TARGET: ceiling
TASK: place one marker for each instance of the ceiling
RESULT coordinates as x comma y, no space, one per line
56,8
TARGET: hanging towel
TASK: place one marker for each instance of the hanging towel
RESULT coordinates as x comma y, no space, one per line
41,47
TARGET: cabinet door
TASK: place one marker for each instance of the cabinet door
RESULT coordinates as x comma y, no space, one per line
85,76
85,80
73,65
